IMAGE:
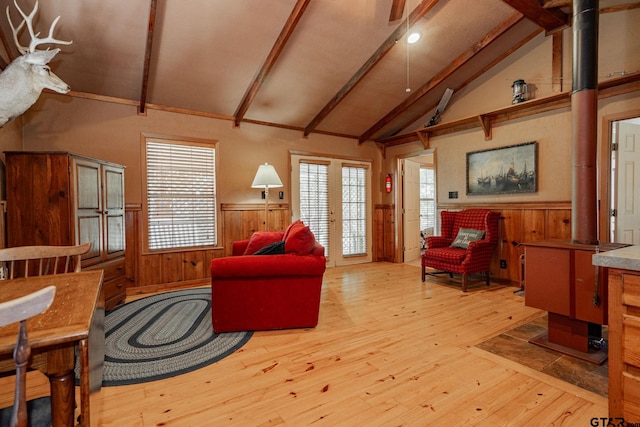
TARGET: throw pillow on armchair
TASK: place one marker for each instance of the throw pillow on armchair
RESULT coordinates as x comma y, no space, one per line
260,239
299,240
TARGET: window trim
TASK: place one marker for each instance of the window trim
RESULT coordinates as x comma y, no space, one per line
178,140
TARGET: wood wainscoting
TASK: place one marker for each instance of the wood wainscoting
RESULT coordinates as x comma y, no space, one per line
164,270
240,221
151,272
384,226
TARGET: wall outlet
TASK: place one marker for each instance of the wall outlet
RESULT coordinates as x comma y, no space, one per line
503,263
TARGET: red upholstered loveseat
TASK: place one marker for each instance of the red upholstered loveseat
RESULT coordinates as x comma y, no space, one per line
261,292
475,258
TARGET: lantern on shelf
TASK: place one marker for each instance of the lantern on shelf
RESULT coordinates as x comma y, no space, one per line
520,91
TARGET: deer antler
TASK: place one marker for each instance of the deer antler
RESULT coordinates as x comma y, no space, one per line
35,41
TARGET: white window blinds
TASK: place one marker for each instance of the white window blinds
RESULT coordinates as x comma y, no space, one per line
314,200
427,198
181,195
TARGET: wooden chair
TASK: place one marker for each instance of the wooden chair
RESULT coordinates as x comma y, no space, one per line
25,261
19,310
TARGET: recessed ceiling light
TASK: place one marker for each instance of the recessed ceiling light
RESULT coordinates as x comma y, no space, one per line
413,37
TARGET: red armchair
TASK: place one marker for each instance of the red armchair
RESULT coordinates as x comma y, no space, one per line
475,258
261,292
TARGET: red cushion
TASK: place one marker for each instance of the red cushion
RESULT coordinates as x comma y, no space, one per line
300,240
291,227
447,255
260,239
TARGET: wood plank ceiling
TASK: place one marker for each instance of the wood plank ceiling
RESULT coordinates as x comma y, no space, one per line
319,66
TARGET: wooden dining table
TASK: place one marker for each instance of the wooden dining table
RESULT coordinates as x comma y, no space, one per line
74,320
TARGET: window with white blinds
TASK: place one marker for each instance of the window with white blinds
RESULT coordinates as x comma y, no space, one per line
181,195
354,210
427,198
314,200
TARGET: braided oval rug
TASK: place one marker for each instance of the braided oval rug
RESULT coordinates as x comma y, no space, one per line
162,336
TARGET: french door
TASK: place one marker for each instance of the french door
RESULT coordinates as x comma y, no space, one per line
333,197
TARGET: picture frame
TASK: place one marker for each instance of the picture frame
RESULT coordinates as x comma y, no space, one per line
504,170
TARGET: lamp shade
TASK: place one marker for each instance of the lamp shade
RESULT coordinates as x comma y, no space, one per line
266,177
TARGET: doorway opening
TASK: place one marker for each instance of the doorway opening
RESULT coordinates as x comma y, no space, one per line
624,178
416,203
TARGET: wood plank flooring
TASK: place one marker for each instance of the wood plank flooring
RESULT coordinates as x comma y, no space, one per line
388,351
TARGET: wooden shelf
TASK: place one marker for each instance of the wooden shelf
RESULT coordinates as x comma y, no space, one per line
486,121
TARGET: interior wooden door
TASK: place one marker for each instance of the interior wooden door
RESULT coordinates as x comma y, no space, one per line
627,224
411,210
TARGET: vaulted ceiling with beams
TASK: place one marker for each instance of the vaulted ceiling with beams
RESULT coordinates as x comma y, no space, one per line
339,67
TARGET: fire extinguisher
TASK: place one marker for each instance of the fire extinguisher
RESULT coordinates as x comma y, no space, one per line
387,183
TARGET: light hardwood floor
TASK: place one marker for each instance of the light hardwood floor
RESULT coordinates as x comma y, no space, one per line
388,351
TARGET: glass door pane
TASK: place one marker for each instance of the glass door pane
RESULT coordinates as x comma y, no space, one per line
314,200
354,211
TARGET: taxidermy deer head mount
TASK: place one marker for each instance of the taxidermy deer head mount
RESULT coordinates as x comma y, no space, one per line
24,79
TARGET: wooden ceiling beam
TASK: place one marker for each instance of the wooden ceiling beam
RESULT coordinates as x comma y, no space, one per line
557,55
397,10
549,4
147,57
621,7
485,41
268,64
551,19
422,9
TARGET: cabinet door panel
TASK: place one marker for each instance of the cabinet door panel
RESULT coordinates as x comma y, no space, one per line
88,185
113,181
113,188
89,231
630,348
115,234
88,208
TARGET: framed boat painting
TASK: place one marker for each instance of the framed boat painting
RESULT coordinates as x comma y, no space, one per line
503,170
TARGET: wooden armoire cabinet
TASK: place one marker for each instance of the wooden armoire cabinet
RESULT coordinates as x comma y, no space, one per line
58,198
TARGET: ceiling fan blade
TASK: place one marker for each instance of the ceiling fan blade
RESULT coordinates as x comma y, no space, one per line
445,100
397,10
441,106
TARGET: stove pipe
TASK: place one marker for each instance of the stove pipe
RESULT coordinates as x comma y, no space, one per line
584,107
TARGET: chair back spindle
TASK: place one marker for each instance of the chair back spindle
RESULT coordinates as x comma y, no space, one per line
25,261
